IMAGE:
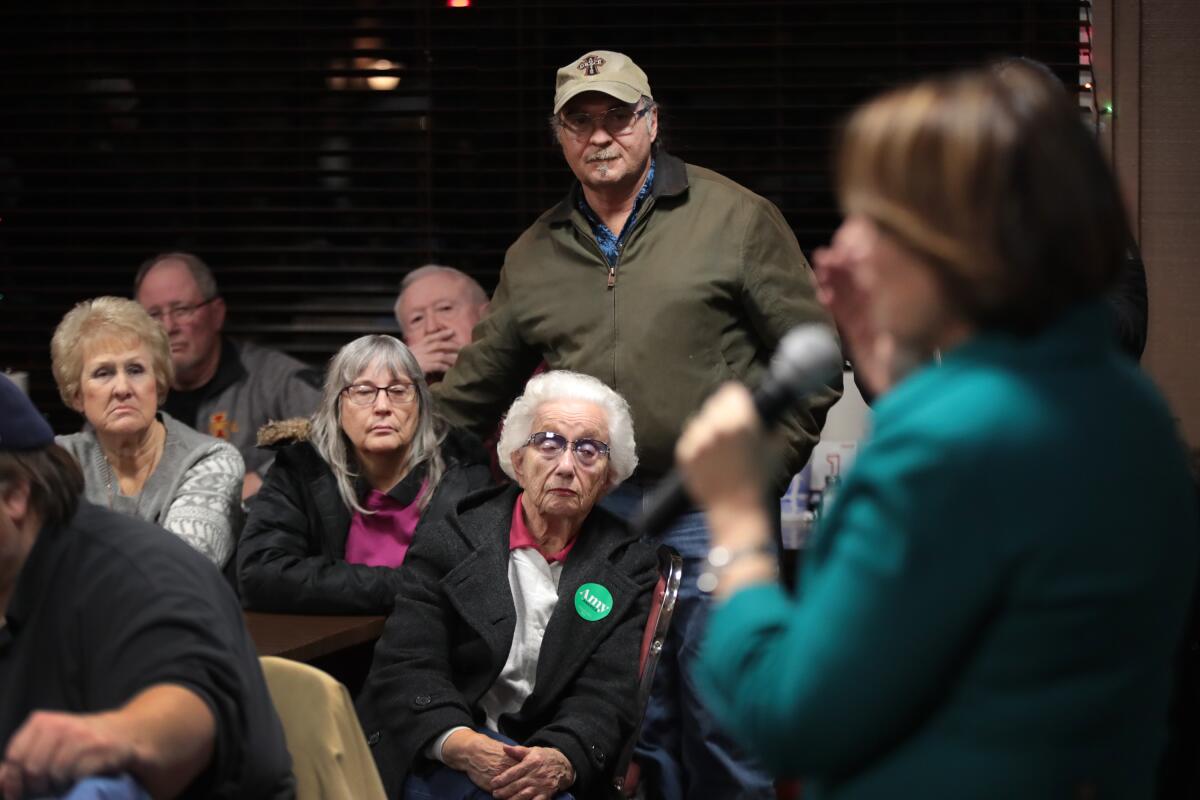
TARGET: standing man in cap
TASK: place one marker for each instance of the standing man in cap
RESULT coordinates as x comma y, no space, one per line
663,280
122,650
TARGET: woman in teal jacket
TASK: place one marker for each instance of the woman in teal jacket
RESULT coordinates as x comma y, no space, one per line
991,605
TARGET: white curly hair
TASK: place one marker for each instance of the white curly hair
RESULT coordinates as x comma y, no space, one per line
566,385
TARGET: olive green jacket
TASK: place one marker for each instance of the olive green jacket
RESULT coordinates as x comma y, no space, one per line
708,281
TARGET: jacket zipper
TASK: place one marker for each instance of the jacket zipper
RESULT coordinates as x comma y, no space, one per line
612,268
637,223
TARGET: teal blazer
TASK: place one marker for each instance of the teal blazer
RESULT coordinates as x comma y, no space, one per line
991,605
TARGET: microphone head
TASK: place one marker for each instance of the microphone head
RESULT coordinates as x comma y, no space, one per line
807,358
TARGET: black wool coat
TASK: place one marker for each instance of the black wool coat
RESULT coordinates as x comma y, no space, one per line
292,554
450,632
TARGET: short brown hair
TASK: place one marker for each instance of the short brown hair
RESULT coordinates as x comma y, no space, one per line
106,316
54,477
994,182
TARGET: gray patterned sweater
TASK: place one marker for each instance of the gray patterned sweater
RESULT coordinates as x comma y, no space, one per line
195,491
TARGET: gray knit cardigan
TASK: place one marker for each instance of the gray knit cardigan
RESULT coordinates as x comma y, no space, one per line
195,491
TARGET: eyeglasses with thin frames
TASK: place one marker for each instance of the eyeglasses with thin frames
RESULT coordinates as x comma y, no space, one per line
551,445
365,394
182,313
617,121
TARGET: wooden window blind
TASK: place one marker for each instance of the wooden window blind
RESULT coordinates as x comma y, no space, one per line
312,152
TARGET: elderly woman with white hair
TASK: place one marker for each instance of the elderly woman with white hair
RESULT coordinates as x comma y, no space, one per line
349,488
112,364
509,665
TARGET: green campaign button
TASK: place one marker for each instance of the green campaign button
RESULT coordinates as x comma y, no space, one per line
593,602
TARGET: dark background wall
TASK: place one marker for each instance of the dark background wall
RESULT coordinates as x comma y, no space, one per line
248,133
1165,86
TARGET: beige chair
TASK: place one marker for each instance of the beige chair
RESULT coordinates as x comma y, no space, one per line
330,756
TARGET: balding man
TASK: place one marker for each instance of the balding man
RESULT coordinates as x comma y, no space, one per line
437,309
225,389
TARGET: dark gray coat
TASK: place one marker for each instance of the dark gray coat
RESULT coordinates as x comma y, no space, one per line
450,632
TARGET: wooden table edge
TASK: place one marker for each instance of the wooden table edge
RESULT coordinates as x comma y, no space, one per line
356,630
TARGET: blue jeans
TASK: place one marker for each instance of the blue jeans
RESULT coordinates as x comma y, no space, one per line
104,787
683,751
439,782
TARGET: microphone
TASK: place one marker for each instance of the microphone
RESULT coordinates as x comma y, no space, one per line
808,356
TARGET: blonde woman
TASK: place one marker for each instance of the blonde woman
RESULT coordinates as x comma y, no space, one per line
112,364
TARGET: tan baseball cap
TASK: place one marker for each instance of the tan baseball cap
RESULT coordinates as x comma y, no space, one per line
604,71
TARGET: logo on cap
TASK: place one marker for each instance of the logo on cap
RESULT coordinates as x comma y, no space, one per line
591,64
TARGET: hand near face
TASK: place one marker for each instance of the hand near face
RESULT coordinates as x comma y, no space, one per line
845,286
538,774
437,352
437,314
53,750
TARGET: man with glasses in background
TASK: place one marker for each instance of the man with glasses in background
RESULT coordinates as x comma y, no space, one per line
222,388
663,280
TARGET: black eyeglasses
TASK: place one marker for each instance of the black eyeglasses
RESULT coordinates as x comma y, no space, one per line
181,313
550,445
364,394
618,121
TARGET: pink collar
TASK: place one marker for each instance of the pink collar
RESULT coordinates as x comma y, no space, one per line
519,535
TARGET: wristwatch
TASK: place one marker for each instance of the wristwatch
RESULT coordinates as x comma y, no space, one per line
720,558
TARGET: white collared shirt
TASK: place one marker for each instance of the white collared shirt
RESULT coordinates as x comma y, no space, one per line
533,582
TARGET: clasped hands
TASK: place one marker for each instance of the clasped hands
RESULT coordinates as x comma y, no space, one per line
509,772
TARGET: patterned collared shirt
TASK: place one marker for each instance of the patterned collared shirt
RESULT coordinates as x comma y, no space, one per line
610,243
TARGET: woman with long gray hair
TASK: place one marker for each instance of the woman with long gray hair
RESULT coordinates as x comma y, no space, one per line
349,487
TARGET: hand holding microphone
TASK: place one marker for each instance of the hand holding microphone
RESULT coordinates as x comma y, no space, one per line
717,451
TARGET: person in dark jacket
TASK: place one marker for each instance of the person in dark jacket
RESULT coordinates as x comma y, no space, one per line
125,665
509,665
348,489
